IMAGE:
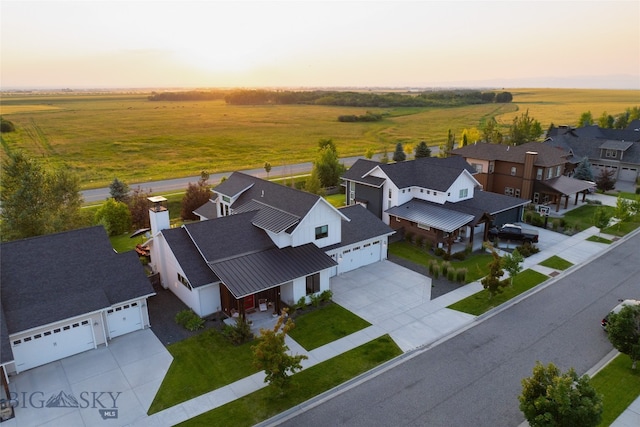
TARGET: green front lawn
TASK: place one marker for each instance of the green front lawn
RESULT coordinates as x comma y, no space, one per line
583,217
266,402
324,325
480,303
475,263
556,262
599,239
619,386
200,364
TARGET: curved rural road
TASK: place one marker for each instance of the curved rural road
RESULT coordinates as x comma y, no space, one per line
180,184
473,378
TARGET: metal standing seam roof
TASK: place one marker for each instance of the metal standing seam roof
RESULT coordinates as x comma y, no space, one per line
268,217
246,275
432,216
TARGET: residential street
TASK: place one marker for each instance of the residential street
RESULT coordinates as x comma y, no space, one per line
473,379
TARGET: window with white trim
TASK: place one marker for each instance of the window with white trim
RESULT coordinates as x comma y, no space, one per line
463,193
517,192
514,170
539,172
313,283
184,281
322,232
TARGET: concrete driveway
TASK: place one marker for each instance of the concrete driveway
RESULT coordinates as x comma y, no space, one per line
398,301
110,386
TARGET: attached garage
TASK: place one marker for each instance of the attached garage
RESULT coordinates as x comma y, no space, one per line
124,319
359,256
52,344
628,174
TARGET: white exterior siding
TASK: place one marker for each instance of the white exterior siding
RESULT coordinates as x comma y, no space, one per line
321,214
209,297
464,181
367,252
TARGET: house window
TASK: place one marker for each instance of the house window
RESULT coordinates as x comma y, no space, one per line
313,284
322,232
491,166
397,219
477,167
182,280
423,226
558,170
352,196
428,191
403,191
611,153
390,193
539,174
513,170
549,173
422,190
517,192
508,191
435,193
464,193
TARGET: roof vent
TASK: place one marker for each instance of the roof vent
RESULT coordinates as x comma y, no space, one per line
262,195
508,147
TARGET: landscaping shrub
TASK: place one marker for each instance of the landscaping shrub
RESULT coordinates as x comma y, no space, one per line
189,320
419,240
451,274
461,275
446,266
537,220
315,300
436,271
459,255
528,216
238,333
527,249
326,296
301,304
433,264
555,224
408,236
439,252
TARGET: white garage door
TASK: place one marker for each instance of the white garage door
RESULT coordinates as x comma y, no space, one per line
124,319
53,344
359,256
628,174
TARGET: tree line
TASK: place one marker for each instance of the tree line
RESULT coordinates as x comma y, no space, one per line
193,95
609,121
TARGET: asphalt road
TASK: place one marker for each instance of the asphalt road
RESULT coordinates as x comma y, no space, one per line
180,184
474,378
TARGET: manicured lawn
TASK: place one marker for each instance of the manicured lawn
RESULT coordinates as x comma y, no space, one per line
200,364
583,217
480,303
266,402
324,325
623,228
476,263
337,200
599,239
556,262
619,386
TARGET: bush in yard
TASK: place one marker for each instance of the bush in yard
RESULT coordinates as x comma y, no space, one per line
433,264
446,266
301,304
527,249
238,333
460,256
436,271
114,216
528,217
408,236
189,320
451,274
419,240
315,300
461,275
326,296
439,252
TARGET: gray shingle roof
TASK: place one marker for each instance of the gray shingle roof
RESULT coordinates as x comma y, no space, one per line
547,155
359,169
6,355
591,148
193,265
52,278
208,210
616,145
252,273
428,172
363,225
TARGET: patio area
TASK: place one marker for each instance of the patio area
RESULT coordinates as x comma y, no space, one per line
257,320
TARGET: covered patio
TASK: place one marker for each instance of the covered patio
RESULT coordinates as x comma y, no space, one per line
553,191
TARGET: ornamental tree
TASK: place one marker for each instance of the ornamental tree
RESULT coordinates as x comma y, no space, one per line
422,150
512,263
583,170
551,398
623,330
270,354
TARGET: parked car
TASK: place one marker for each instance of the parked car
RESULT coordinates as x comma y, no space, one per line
513,232
617,309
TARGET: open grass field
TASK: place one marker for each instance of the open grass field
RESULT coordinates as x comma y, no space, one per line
125,135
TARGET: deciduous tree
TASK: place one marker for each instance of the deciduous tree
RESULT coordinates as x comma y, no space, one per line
270,354
196,195
605,180
114,216
35,200
327,164
601,218
605,120
524,129
491,282
267,168
623,330
551,398
491,132
586,119
512,263
139,207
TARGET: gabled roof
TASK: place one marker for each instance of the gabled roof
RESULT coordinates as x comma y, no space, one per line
208,210
486,203
611,144
286,199
362,225
267,217
565,185
591,148
359,170
55,277
427,172
251,273
193,265
432,215
547,155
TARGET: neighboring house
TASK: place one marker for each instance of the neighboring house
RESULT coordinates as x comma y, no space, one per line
65,293
260,242
615,149
438,199
533,171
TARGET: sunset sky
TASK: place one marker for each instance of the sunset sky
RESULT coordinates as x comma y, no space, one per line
150,44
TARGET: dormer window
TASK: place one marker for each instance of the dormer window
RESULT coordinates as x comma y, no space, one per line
611,154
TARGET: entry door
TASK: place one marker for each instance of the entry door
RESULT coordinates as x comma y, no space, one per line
124,319
249,303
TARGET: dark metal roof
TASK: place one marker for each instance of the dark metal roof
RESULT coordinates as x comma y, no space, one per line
246,275
363,225
267,217
52,278
432,215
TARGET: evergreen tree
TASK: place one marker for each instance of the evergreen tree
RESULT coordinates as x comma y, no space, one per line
524,129
119,190
422,150
398,155
583,170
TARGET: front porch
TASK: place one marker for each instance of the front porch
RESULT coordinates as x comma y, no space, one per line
257,320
